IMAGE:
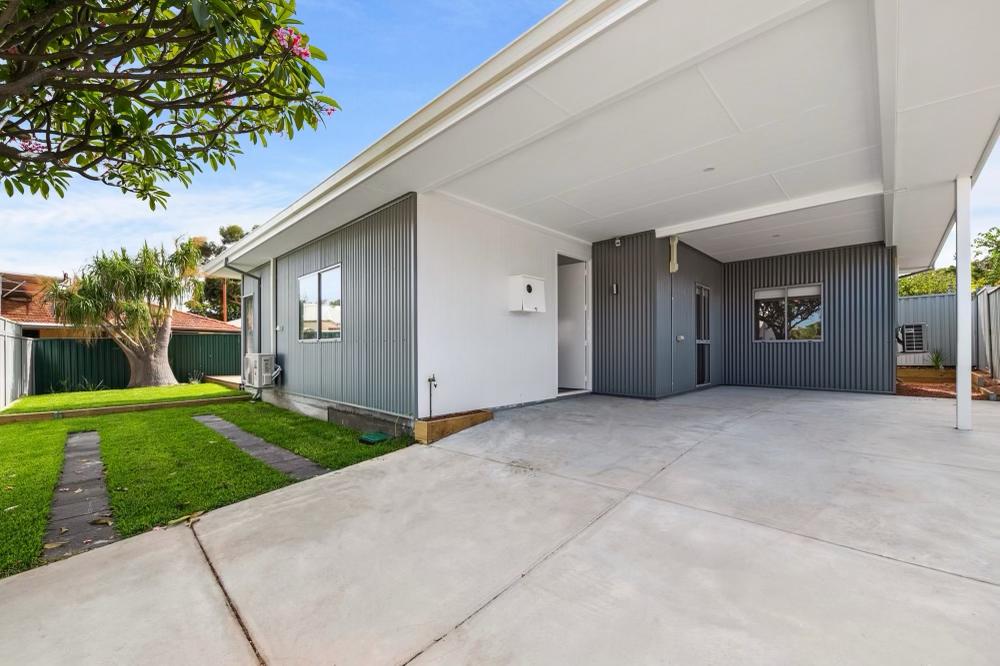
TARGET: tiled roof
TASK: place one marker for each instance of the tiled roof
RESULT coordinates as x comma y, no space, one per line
27,306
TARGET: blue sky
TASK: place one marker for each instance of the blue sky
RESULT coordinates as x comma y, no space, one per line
387,58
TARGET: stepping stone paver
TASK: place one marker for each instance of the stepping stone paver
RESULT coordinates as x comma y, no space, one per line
283,460
80,501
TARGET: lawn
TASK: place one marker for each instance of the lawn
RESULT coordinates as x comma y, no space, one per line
159,466
328,444
31,456
163,465
53,402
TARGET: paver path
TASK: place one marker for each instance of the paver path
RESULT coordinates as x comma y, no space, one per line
80,515
281,459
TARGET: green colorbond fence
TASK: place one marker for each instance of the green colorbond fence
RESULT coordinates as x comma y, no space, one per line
63,364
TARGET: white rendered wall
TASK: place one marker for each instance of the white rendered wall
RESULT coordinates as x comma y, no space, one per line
482,354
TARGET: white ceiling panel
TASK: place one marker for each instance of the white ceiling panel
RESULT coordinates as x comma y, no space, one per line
947,48
670,117
928,153
843,223
553,213
735,196
660,37
818,134
511,119
925,214
816,59
842,171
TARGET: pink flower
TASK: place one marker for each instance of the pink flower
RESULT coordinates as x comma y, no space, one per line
31,146
328,110
290,39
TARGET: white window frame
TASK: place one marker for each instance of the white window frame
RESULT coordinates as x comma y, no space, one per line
786,288
319,305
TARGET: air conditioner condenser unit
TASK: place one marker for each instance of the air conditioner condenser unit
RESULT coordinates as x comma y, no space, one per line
259,370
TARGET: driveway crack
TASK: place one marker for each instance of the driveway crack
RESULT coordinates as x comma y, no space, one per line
229,601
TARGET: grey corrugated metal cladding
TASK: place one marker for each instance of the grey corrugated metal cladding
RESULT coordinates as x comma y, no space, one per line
372,366
643,319
858,349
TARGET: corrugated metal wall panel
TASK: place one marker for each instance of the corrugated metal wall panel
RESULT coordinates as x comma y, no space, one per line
373,365
987,307
193,356
15,363
624,324
939,314
859,306
62,364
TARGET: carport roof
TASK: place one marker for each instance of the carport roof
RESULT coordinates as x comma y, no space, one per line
809,123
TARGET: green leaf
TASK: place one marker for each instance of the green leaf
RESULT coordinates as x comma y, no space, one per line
9,186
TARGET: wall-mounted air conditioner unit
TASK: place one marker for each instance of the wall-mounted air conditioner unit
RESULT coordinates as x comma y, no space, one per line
259,370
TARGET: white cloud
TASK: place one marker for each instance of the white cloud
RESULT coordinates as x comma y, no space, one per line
55,235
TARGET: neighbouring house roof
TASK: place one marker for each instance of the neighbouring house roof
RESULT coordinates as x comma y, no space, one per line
23,302
748,128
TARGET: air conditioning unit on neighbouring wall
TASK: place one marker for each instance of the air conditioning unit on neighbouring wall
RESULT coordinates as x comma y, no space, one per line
259,370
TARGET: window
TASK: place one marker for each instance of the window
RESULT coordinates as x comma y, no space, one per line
788,313
308,306
703,334
329,294
320,305
912,338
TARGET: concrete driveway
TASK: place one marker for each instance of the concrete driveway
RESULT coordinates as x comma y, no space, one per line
726,526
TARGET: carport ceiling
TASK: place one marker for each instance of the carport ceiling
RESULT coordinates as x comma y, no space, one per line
837,121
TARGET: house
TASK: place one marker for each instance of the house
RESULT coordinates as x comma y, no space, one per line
639,198
22,301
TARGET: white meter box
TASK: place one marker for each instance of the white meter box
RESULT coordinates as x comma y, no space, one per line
526,293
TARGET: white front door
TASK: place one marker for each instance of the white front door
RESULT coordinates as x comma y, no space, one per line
573,325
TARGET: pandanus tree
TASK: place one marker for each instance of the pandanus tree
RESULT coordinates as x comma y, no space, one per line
131,299
132,93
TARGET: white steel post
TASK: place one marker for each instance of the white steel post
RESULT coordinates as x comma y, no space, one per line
963,258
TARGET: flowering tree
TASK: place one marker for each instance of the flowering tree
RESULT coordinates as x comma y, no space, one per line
132,93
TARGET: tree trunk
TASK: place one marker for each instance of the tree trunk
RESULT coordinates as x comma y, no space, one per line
150,366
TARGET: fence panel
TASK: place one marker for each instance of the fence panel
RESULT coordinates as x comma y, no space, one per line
197,355
15,363
67,364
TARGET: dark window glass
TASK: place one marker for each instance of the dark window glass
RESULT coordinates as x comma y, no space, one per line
701,302
704,364
330,312
805,313
308,307
769,313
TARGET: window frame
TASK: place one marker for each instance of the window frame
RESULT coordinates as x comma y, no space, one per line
317,275
786,288
702,291
319,280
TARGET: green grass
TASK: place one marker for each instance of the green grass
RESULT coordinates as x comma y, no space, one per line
163,465
31,456
328,444
159,466
53,402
